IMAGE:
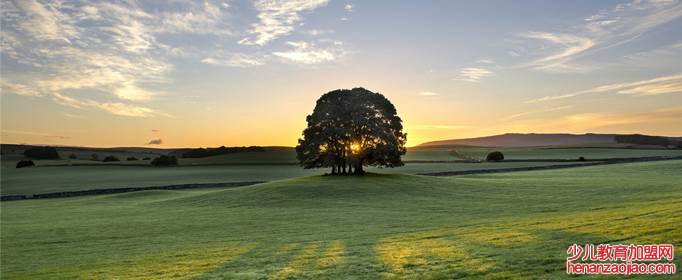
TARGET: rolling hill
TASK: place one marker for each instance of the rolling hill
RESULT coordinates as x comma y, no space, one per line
322,227
512,140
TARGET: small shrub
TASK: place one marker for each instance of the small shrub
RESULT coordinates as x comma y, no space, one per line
25,163
110,158
73,156
495,156
164,160
131,158
94,157
146,158
41,153
581,158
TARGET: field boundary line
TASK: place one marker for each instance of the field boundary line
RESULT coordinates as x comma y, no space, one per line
548,167
126,189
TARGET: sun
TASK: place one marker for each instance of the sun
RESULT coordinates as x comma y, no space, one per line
355,147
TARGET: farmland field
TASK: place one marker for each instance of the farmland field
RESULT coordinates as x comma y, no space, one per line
274,164
380,226
72,178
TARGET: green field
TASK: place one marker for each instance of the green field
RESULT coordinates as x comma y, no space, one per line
275,163
509,225
73,178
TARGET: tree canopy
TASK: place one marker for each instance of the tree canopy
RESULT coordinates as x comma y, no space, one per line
41,153
495,156
349,129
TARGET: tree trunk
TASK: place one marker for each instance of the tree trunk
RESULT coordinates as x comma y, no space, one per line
333,169
358,168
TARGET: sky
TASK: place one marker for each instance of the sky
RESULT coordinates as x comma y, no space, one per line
240,73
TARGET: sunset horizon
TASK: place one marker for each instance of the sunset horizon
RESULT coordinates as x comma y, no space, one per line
191,74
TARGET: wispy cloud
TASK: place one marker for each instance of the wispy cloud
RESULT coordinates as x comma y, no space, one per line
600,121
473,74
36,134
655,86
525,114
109,47
308,53
439,127
236,60
348,7
570,46
428,93
155,142
605,29
115,108
278,18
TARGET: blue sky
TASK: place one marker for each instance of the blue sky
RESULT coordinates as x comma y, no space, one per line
114,73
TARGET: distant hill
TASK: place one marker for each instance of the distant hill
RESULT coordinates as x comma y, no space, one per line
558,139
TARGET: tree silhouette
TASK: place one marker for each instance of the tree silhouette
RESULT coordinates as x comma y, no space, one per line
495,156
349,129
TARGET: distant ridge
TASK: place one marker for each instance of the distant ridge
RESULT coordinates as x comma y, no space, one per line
543,139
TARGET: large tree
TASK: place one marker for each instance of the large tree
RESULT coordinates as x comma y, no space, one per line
349,129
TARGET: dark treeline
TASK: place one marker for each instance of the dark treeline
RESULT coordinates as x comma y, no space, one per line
639,139
222,150
41,153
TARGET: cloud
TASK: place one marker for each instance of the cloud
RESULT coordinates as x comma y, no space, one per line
428,93
278,18
485,61
523,114
308,53
473,74
593,121
317,32
109,47
439,127
655,86
348,7
44,22
155,142
606,29
235,60
570,46
37,134
115,108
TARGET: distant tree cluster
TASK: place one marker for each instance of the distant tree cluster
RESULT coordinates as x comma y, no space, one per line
495,156
349,129
41,153
222,150
110,159
25,163
639,139
131,158
164,160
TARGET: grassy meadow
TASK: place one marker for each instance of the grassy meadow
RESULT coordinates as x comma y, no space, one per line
507,225
274,164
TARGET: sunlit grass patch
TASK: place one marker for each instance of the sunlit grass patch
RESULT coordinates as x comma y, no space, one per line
333,256
300,261
183,264
180,264
419,255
